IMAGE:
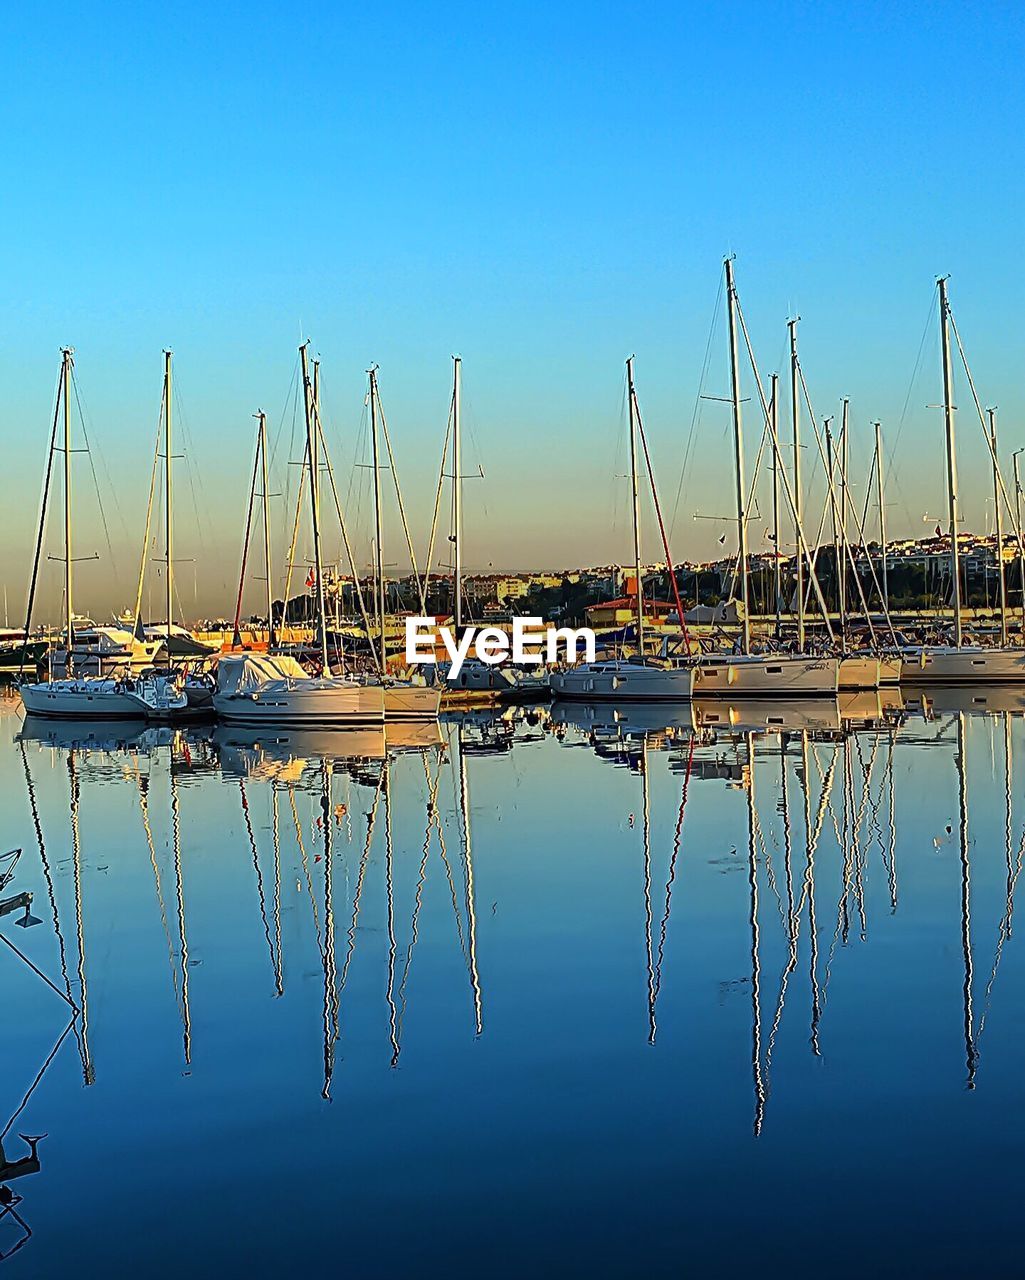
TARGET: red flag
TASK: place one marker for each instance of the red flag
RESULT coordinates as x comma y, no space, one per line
939,532
311,579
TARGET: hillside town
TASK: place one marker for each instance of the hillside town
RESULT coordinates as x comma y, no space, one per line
604,596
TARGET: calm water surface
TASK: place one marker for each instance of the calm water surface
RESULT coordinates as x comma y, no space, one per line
552,992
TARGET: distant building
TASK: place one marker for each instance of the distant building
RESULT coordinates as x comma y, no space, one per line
511,588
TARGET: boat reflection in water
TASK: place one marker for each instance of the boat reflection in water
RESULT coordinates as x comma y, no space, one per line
454,929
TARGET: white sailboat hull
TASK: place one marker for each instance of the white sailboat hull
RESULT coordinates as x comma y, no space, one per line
969,665
622,682
314,702
766,675
890,670
411,702
859,671
103,699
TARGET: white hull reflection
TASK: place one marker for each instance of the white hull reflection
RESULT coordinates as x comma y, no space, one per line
871,706
949,699
627,717
100,735
967,665
760,715
284,755
753,715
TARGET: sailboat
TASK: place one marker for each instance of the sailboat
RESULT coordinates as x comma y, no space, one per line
862,664
477,681
274,689
748,674
962,663
122,696
101,649
629,679
403,699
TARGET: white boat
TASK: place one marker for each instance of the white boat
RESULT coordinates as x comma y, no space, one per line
969,664
149,697
891,669
961,663
505,683
408,701
662,679
869,671
99,650
620,680
178,641
759,675
255,688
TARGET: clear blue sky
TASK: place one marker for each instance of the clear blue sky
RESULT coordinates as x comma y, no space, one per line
544,189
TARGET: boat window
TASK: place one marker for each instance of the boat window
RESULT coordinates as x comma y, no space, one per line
773,671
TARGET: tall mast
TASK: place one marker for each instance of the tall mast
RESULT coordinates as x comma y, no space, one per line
262,417
167,497
828,431
845,454
316,433
948,417
738,445
378,553
457,493
882,514
636,505
774,418
311,455
66,366
795,419
992,415
1017,534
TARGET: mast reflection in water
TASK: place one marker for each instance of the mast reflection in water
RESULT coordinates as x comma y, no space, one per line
592,988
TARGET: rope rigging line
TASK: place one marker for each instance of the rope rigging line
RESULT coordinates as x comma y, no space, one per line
149,514
438,492
195,478
402,509
96,483
802,544
845,493
893,473
695,415
41,533
662,530
985,432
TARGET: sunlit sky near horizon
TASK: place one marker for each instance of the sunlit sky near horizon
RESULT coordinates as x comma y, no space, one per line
544,190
